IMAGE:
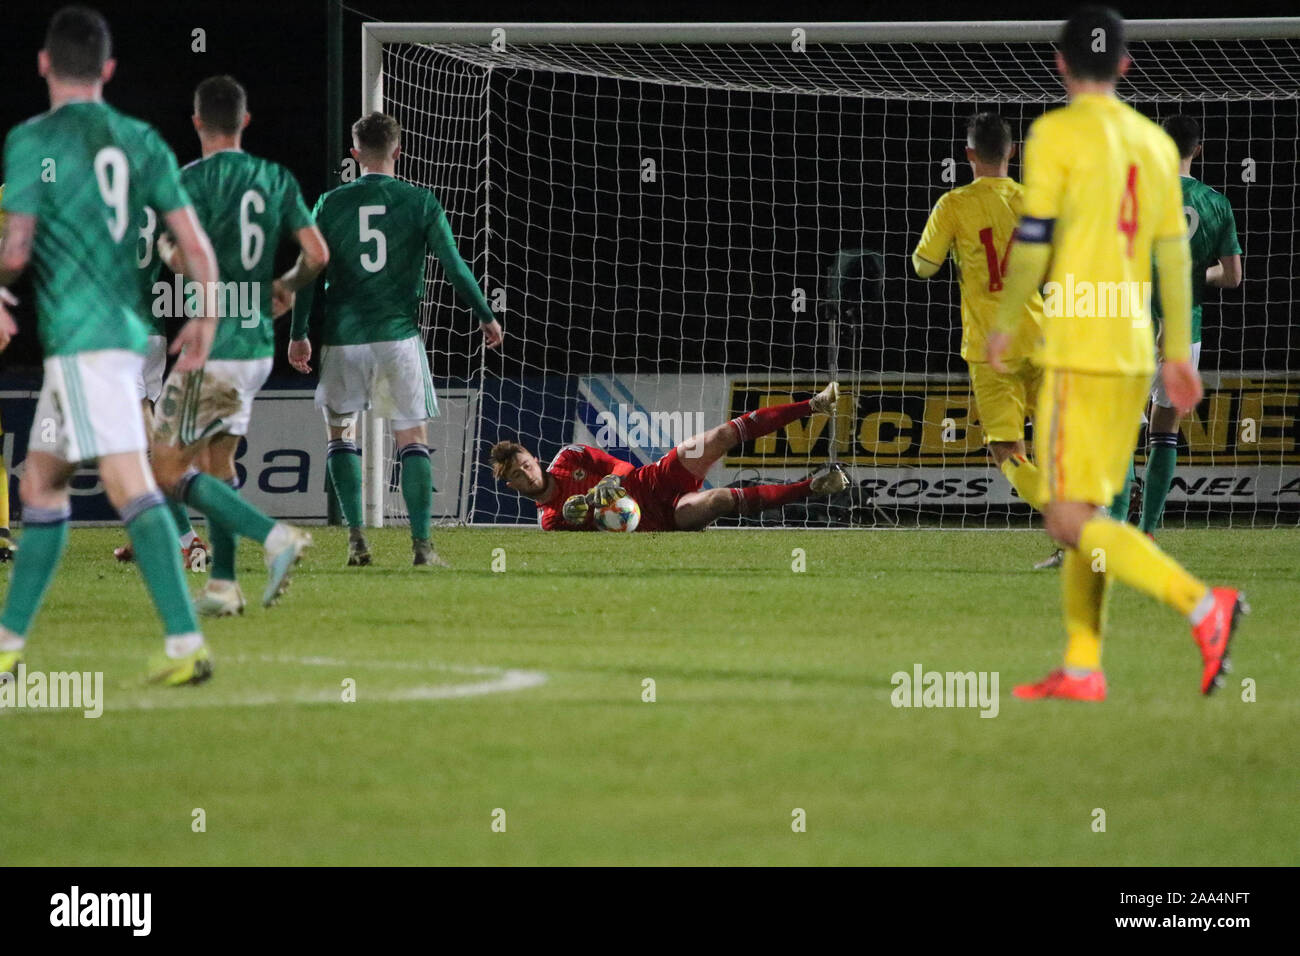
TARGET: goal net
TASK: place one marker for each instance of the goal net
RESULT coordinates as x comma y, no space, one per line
681,224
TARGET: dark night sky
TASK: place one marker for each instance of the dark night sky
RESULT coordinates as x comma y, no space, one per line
278,51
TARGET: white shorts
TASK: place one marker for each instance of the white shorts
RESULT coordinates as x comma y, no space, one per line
87,408
391,377
148,386
217,400
1158,395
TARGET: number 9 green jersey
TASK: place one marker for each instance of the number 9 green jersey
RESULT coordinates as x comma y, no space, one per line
87,172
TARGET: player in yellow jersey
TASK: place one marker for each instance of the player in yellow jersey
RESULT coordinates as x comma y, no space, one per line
976,223
1102,196
7,545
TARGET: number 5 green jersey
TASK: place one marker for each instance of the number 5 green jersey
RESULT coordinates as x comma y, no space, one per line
379,230
87,172
247,206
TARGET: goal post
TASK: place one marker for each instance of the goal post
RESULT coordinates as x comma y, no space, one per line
657,210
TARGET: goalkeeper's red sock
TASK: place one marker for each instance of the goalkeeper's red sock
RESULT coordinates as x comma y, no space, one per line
761,497
764,421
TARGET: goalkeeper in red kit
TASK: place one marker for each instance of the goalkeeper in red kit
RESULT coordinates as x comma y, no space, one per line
669,491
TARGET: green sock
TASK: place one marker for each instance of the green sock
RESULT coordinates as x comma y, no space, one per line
153,536
224,541
343,459
221,503
45,535
181,515
417,487
1161,458
1119,506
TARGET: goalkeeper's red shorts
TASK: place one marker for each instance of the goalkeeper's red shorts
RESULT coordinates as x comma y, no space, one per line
656,487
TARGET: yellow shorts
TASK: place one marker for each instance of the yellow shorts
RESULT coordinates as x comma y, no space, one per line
1085,432
1003,401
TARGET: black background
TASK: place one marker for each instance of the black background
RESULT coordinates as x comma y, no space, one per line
278,50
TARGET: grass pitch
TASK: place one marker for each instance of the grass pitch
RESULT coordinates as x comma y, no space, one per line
522,691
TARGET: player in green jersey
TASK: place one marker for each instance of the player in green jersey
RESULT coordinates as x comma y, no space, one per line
83,172
249,206
1216,261
148,384
380,230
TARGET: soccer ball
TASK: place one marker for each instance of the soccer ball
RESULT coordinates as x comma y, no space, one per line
623,514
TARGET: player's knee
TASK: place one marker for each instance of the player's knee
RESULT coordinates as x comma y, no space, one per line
341,424
167,470
35,490
408,434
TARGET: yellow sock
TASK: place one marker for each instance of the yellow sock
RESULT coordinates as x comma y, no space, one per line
1133,558
1083,599
1026,479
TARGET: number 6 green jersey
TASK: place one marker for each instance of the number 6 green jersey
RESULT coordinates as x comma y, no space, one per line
247,206
87,172
379,230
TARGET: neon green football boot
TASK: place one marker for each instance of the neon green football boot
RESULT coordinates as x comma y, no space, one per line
9,661
193,668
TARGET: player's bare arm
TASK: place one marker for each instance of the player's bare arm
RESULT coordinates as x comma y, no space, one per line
15,252
16,246
313,257
1226,273
8,327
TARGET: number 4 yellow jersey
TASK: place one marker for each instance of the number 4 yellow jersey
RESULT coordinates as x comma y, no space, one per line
976,223
1101,185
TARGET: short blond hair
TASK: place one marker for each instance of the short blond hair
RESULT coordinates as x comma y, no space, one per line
503,455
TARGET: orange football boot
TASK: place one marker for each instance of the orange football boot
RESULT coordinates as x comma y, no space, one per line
1061,685
1214,633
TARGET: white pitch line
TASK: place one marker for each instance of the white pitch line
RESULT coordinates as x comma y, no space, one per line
184,697
506,681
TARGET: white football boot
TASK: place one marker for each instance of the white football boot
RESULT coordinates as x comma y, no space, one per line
220,599
830,480
825,400
284,547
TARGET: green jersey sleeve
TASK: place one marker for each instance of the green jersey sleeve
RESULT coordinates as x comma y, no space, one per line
22,172
1228,244
443,245
293,206
162,177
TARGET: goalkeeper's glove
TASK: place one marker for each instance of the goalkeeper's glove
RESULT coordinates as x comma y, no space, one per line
576,509
608,490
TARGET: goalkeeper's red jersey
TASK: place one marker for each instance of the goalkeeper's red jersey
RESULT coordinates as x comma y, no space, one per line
576,469
655,487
